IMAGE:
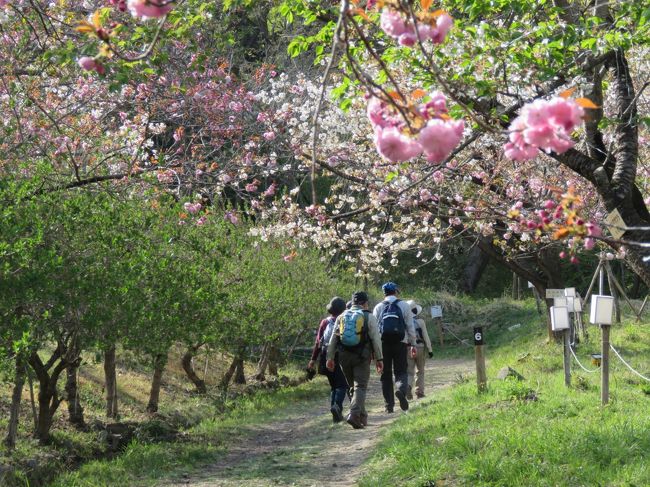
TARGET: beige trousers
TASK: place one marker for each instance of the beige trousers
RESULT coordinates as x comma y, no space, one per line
417,363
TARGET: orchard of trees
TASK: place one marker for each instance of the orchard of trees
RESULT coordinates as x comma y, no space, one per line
209,174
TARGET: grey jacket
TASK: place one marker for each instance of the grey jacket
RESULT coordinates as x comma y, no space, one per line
373,337
410,337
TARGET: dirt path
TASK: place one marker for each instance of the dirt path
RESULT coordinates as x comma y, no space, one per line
306,448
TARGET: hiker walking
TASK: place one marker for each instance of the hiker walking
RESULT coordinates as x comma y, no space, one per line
338,384
356,338
395,321
422,342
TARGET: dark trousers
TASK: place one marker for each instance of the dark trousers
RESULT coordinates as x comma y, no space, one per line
338,384
394,363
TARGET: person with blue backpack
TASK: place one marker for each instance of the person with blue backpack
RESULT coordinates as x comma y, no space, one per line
336,379
398,339
356,338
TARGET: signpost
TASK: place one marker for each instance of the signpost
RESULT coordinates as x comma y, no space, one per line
481,376
436,314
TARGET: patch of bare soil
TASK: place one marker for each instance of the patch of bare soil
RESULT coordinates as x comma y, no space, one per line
305,448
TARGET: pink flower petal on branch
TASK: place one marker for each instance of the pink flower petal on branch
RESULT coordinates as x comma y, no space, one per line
395,146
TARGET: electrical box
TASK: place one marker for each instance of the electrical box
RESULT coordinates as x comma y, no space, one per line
559,318
602,309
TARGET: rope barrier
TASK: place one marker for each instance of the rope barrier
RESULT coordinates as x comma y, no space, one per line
628,365
463,342
581,366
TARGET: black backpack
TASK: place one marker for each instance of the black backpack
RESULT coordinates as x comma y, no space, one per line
392,326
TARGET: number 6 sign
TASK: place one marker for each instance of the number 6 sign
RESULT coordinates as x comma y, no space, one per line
478,336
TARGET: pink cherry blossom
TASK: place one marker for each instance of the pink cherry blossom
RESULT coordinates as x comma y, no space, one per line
150,8
270,135
543,124
443,25
270,191
91,64
395,146
192,208
439,138
251,187
231,217
392,23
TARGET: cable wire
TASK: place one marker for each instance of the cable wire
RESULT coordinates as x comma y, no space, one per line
582,366
628,365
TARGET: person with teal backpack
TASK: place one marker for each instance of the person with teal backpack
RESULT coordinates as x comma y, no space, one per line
338,384
356,338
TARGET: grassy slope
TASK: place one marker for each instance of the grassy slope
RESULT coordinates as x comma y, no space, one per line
203,420
533,432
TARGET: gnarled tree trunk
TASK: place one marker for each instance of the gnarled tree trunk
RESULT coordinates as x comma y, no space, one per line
75,410
187,361
48,397
477,261
260,373
159,363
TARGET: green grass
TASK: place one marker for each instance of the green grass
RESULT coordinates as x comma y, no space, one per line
533,432
143,464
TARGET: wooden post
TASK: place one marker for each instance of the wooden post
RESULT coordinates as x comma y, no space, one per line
441,332
481,376
604,366
567,359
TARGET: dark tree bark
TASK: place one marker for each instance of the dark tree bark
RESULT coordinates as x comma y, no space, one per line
110,383
75,410
225,380
260,373
274,360
187,361
160,361
48,397
240,377
477,261
14,412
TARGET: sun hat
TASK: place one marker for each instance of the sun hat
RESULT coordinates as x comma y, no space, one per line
415,307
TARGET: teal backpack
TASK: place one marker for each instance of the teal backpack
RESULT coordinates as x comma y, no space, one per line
353,328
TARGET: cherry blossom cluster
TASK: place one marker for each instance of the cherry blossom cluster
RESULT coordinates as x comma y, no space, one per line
149,9
433,28
398,141
543,124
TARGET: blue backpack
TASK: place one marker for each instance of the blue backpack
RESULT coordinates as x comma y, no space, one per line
392,326
353,328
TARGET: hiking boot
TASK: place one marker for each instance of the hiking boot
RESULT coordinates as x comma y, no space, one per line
337,415
403,402
355,421
364,420
420,395
388,409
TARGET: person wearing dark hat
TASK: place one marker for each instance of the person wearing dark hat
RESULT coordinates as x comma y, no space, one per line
338,384
395,321
356,338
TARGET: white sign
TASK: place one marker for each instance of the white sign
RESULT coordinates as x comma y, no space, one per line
436,311
615,224
554,293
570,292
